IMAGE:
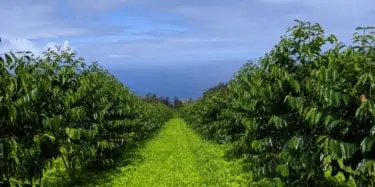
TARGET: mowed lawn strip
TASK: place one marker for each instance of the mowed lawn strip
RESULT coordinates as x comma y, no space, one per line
179,157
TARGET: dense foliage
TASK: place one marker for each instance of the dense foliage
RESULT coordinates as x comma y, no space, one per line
57,106
304,115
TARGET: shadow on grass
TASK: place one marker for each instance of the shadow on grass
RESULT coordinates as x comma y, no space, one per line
95,176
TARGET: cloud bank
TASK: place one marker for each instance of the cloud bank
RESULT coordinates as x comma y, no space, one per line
145,34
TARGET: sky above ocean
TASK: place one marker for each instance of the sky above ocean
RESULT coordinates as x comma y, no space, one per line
171,47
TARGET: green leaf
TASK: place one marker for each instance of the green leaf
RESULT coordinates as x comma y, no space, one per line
296,142
49,136
283,169
347,150
12,111
36,139
367,144
372,131
279,183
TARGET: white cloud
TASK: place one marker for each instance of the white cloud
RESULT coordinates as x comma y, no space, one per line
118,56
23,45
97,5
344,8
212,29
241,29
54,46
18,45
23,19
59,48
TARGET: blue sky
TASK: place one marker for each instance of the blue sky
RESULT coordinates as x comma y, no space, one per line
171,47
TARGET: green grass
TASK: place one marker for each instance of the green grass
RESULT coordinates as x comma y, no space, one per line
176,157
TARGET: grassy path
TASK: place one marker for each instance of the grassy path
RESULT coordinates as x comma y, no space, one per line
178,157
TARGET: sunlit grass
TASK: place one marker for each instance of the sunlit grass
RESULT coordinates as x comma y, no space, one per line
177,157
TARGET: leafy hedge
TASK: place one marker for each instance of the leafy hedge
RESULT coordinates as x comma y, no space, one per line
304,115
57,106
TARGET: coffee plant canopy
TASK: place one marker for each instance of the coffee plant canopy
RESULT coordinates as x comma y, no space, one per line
58,106
304,115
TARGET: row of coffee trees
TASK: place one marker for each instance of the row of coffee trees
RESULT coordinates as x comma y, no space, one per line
304,115
58,107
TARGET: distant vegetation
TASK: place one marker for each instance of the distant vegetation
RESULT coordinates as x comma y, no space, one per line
176,102
304,115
